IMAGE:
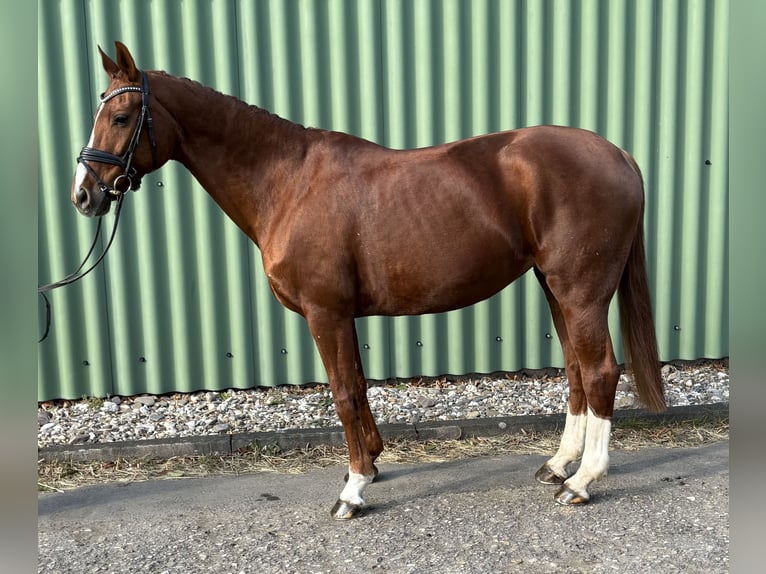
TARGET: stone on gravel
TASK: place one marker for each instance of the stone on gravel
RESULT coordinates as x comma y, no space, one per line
426,401
146,400
110,407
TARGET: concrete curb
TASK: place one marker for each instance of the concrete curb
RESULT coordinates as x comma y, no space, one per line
227,444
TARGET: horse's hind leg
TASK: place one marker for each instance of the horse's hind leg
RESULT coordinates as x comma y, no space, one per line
580,307
555,470
589,336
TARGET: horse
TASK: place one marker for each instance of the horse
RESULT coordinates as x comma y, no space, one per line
348,228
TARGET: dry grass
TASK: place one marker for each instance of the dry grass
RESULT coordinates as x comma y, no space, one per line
61,476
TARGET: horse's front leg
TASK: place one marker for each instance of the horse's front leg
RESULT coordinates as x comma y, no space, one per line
371,433
336,340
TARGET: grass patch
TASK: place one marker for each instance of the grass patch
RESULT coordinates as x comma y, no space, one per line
60,476
93,403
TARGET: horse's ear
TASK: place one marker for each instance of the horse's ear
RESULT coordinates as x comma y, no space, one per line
126,63
110,66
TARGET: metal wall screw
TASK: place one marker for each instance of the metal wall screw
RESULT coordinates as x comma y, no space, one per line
676,327
499,339
229,355
419,343
85,363
141,359
160,184
365,346
548,336
283,351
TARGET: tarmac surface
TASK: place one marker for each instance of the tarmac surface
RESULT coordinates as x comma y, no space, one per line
658,510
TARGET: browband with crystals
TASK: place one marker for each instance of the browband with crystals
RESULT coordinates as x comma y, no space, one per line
106,97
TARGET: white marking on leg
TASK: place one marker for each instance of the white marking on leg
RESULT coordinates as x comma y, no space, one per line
595,456
354,489
572,440
81,173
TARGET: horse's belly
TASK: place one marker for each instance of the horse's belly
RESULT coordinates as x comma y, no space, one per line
428,287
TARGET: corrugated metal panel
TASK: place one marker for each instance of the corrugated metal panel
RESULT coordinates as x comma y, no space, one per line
179,287
77,330
182,302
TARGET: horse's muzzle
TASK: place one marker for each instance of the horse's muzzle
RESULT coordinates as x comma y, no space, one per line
90,204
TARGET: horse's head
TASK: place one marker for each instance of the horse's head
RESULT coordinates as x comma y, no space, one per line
122,146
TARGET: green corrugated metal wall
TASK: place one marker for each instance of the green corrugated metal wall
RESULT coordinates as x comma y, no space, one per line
182,303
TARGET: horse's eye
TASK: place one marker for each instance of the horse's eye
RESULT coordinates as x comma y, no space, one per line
120,120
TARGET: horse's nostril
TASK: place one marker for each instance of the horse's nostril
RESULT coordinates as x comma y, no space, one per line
83,199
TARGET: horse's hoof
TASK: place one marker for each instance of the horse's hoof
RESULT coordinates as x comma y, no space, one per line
345,510
375,473
546,476
568,497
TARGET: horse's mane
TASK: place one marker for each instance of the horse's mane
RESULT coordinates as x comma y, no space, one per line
249,109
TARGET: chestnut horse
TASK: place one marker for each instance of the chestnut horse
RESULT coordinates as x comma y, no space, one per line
349,228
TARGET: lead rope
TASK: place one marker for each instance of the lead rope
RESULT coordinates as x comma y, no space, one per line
78,274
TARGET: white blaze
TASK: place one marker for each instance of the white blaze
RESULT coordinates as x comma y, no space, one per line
81,172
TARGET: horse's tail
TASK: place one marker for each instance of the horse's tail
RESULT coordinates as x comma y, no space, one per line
636,319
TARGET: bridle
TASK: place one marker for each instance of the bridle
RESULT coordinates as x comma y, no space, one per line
129,173
125,161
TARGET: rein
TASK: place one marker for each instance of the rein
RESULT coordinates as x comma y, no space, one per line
78,273
129,173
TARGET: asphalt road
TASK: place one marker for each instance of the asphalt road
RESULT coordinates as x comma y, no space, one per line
659,510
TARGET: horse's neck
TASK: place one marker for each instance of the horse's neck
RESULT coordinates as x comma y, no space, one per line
240,154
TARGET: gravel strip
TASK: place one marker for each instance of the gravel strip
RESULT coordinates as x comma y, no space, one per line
115,419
